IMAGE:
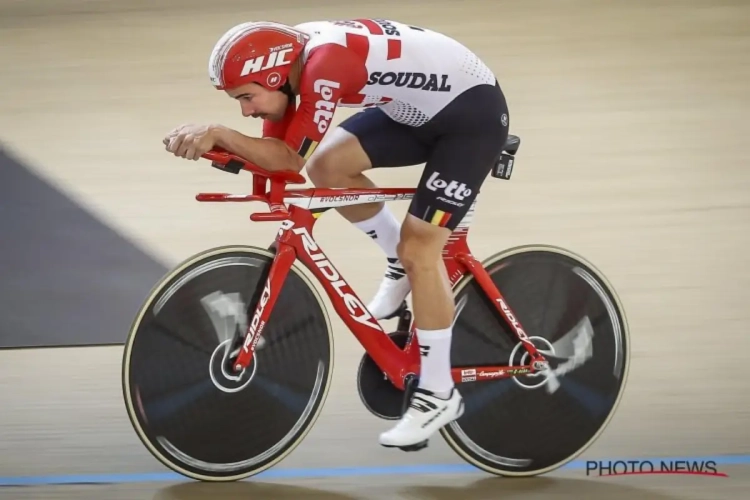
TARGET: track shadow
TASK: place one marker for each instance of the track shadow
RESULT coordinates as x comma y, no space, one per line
238,490
489,488
536,488
68,277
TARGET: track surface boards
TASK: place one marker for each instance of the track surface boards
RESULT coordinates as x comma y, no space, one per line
633,117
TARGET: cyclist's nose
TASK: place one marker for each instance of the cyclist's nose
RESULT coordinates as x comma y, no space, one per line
247,109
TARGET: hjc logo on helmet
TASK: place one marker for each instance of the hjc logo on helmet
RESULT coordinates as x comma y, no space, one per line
260,52
272,60
324,107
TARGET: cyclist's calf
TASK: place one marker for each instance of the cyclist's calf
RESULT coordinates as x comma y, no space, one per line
420,252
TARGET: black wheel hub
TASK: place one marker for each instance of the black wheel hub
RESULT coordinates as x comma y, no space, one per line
221,369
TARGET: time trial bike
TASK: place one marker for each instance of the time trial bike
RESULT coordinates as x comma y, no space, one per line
229,360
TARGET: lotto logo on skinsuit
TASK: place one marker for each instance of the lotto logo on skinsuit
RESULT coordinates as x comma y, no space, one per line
451,189
324,107
411,80
262,63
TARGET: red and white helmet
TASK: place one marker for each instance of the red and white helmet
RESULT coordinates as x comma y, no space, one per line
255,52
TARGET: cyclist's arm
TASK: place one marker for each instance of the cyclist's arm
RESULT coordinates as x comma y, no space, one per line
331,72
268,153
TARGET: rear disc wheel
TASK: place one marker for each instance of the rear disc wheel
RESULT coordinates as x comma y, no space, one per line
528,425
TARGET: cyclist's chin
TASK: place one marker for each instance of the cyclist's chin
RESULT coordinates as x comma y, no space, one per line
274,117
271,117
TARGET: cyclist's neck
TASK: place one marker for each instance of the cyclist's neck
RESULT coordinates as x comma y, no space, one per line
294,75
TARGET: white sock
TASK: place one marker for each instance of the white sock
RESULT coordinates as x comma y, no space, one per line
435,372
384,229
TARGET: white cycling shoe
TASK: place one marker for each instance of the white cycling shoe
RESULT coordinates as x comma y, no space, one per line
425,416
392,291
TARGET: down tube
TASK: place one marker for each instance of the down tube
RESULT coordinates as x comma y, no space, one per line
351,310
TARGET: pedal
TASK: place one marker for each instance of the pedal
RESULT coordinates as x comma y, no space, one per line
415,447
412,447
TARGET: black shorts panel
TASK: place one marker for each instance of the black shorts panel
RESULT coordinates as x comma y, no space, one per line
459,145
387,143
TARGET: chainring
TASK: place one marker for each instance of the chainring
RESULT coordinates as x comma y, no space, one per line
378,394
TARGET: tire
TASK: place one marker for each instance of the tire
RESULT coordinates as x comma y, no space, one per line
515,427
193,418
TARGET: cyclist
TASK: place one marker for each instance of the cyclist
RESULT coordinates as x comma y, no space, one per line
429,100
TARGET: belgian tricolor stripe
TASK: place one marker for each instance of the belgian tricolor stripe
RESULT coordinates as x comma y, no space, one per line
307,148
440,218
317,212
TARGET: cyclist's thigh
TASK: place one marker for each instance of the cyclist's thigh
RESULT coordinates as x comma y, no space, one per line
386,142
475,129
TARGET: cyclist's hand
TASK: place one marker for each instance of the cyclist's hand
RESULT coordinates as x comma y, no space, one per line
190,141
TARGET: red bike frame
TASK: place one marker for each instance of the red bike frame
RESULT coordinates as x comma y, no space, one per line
295,209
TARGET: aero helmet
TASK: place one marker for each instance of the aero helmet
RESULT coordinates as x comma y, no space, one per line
255,52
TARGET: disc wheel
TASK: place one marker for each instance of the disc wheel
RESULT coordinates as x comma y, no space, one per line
532,424
192,412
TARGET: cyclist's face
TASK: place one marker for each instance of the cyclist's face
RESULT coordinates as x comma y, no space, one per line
259,102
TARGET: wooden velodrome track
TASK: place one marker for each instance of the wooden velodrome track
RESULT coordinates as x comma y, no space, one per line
634,122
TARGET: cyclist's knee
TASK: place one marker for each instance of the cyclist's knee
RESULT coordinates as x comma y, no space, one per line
338,159
421,245
321,169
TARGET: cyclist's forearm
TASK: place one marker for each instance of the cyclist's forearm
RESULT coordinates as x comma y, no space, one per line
271,154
